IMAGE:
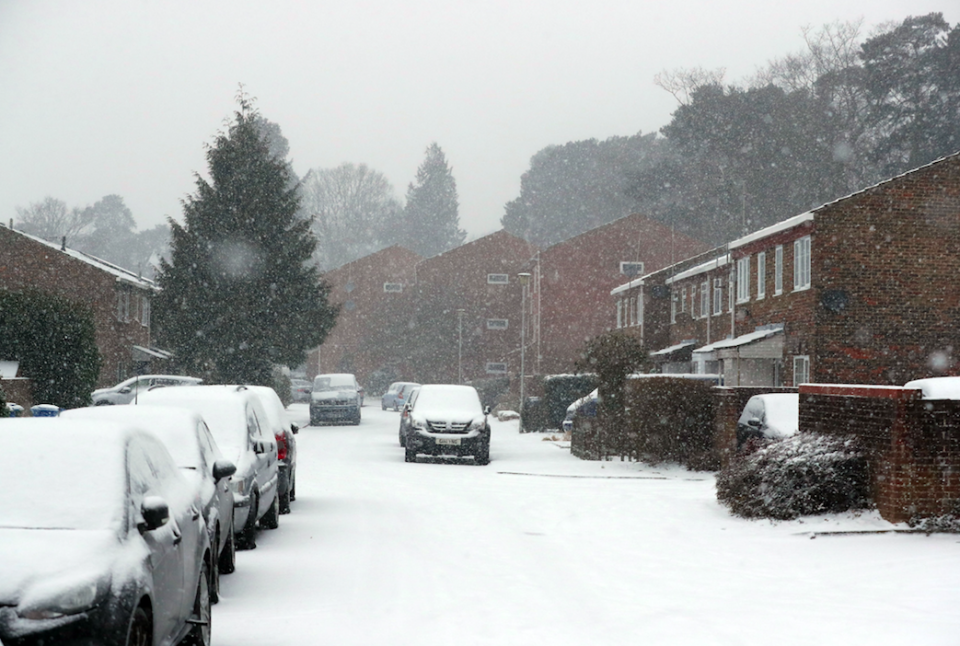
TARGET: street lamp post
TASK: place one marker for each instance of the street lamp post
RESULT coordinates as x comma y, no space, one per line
523,279
460,346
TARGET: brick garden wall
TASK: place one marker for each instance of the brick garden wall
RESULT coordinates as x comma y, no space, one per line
912,445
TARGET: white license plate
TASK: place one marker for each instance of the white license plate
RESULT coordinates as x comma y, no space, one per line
448,441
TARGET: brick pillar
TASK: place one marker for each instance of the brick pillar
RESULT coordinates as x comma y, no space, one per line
725,429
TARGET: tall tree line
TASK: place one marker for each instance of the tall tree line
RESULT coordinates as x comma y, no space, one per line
808,128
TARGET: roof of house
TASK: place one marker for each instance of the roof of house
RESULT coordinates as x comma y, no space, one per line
121,274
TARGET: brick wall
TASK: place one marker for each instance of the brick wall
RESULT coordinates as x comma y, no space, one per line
912,445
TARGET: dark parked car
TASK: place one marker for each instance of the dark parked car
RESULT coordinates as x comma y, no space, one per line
126,391
238,423
284,432
300,390
335,397
397,395
188,439
100,538
448,420
772,416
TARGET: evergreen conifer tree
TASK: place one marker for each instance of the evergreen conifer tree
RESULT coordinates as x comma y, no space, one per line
431,221
238,296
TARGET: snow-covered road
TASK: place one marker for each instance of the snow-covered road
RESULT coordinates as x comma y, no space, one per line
542,548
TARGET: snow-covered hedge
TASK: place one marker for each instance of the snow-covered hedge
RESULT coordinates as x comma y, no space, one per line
797,476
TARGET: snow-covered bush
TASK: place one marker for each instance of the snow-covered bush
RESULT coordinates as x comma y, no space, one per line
797,476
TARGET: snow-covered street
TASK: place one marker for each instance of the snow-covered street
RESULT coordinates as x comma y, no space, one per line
542,548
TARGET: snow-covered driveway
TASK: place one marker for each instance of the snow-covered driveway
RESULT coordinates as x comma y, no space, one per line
542,548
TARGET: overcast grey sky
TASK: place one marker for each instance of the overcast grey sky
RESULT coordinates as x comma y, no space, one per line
120,96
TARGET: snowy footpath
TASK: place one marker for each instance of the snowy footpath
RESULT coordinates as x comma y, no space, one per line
539,548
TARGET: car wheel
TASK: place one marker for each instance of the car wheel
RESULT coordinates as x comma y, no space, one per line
356,419
248,536
285,502
140,632
271,519
383,406
199,634
483,454
214,573
410,455
227,562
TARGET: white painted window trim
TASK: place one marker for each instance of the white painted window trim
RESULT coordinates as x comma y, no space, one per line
683,299
498,279
761,275
801,370
619,313
717,296
801,264
778,271
705,299
497,324
144,311
496,368
673,306
743,280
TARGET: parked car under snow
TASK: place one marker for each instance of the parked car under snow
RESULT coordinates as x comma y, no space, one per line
771,416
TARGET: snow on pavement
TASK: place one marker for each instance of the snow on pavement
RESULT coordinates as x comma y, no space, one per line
542,548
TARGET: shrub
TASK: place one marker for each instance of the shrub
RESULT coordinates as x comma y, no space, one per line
533,416
798,476
54,340
490,390
559,391
281,384
672,420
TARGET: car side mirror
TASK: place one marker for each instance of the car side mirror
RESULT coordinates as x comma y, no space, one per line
155,513
223,469
125,390
753,423
294,429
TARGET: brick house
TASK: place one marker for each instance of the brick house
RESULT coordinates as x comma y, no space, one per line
367,290
481,279
860,290
570,293
119,299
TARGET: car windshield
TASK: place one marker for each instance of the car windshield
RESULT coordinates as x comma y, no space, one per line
74,482
459,400
325,383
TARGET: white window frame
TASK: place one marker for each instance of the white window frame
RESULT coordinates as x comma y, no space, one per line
801,264
497,324
631,268
761,275
393,288
498,279
717,296
619,313
705,299
801,370
683,299
693,301
496,368
731,292
778,271
743,279
640,309
123,306
144,311
673,306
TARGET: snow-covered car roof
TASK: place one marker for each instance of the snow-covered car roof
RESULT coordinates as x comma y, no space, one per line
76,480
937,387
176,427
781,414
335,380
271,405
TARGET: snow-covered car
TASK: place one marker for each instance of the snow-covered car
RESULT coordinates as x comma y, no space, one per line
586,406
195,452
238,423
397,395
771,416
126,391
100,538
405,415
300,390
448,420
335,397
284,432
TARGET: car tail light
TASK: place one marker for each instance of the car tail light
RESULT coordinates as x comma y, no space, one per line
281,447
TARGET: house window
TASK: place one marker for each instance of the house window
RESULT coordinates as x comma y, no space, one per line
705,299
730,291
497,324
496,368
801,263
683,300
778,271
743,280
630,313
144,311
693,300
393,288
619,313
801,370
123,306
631,268
673,307
761,274
717,296
640,309
498,279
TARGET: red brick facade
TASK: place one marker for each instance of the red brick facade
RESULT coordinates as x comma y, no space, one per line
876,303
118,298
